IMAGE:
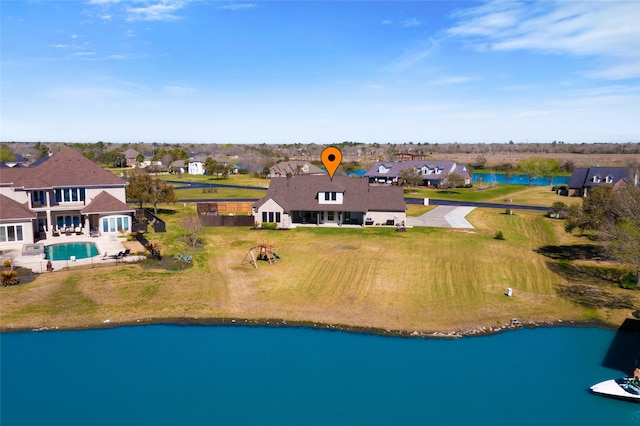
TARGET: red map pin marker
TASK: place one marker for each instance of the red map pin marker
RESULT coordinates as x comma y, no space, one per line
331,158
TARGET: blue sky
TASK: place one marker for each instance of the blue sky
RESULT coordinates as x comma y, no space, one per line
323,72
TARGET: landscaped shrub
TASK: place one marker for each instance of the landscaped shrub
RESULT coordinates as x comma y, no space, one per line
269,225
6,263
629,282
9,277
499,235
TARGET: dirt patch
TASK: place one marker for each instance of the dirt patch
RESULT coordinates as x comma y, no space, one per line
134,246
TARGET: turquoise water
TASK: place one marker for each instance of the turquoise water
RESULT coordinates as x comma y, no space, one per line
519,179
171,375
66,250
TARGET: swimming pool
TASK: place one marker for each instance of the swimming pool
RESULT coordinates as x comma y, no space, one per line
66,250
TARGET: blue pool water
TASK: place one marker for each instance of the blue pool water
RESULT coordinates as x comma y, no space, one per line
66,250
171,375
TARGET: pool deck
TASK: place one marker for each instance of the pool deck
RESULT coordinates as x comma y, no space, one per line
108,246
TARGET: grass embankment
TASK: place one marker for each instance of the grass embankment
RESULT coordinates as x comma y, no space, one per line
425,279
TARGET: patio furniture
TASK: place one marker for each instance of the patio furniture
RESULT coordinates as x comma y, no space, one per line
94,233
127,252
67,231
78,230
56,232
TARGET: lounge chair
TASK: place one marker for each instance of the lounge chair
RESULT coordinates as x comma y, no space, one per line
78,230
56,232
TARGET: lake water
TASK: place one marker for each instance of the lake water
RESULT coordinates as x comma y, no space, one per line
171,375
518,179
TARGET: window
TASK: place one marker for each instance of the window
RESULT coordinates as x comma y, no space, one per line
270,216
70,195
10,233
333,196
609,179
115,224
264,216
330,215
326,196
277,216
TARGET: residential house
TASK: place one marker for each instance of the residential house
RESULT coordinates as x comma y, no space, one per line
292,168
319,200
432,172
131,156
584,178
178,167
63,193
19,161
196,167
148,161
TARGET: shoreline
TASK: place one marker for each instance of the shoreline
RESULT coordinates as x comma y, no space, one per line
476,331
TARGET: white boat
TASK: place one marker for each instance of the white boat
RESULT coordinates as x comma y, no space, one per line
626,388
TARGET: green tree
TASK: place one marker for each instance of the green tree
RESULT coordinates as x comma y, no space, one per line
614,214
6,154
160,192
139,182
215,168
42,150
550,167
410,176
620,230
532,167
595,208
453,180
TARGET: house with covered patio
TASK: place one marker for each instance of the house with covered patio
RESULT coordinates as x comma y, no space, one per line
65,193
319,200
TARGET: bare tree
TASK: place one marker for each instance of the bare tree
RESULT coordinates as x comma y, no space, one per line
192,227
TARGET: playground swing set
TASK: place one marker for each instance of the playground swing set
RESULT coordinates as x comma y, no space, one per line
262,251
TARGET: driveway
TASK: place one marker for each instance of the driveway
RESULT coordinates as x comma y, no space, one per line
443,217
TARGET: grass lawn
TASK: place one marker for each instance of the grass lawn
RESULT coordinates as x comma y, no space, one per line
200,193
425,279
516,194
242,180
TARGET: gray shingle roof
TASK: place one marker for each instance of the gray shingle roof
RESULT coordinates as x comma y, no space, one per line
67,168
301,193
396,167
291,167
10,209
106,203
582,177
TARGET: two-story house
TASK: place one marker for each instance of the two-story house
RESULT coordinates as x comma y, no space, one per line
65,192
316,199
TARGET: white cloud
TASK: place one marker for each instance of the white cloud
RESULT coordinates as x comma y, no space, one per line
175,90
607,30
448,80
238,6
412,22
413,56
161,11
387,22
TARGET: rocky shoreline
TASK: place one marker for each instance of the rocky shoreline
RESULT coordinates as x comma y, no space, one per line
479,330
